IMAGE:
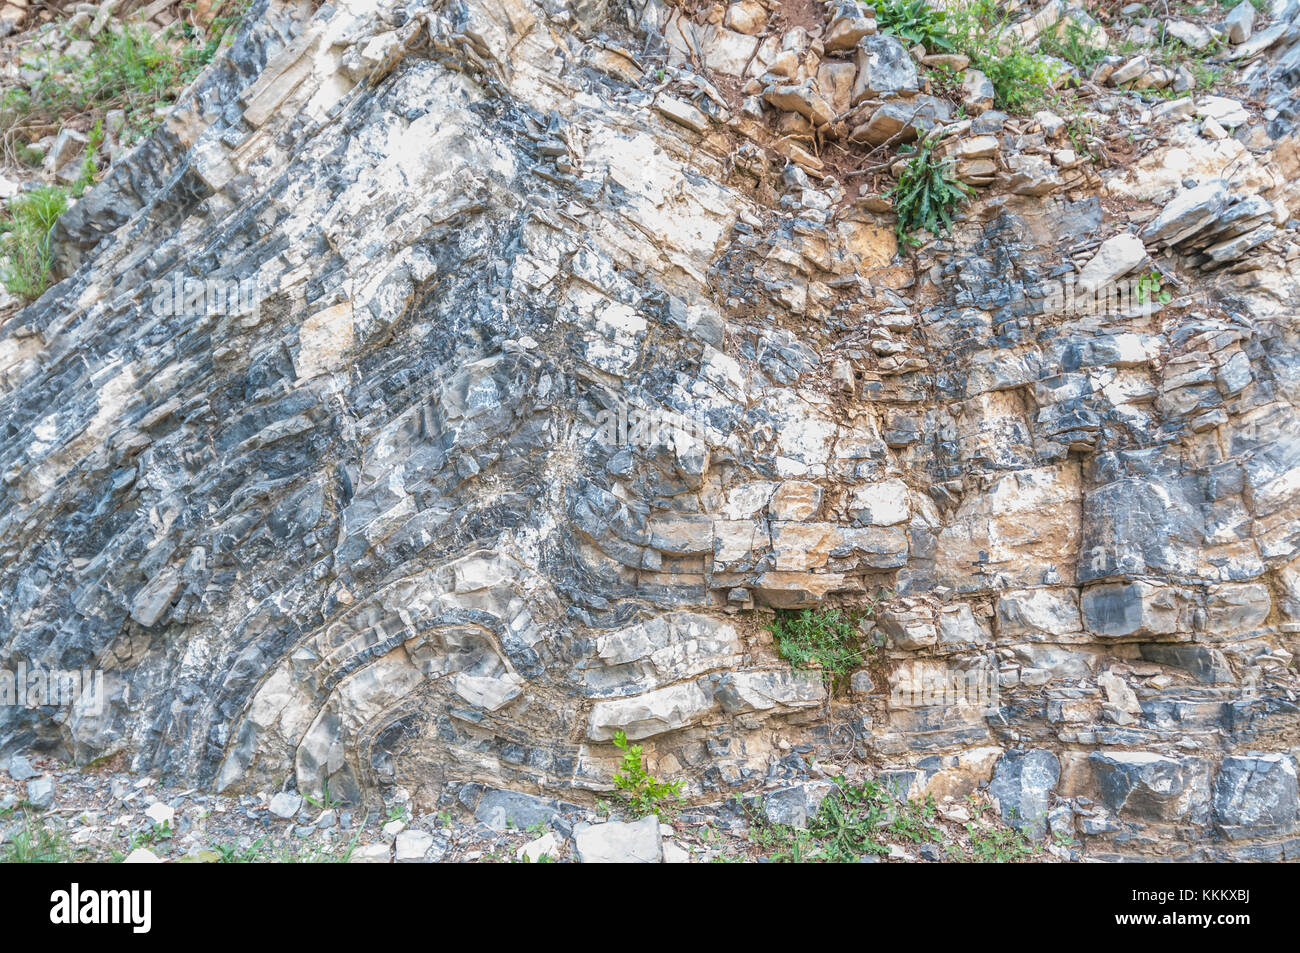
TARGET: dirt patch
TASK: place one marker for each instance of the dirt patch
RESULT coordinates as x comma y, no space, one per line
793,13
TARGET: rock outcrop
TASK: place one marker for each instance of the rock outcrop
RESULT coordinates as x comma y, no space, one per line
564,366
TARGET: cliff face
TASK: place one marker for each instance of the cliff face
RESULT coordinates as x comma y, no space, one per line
560,367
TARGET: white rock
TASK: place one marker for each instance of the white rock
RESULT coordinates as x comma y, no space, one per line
412,846
1190,34
161,813
1229,113
1115,258
880,504
651,713
675,853
1129,71
547,845
1184,108
683,113
286,805
616,842
1240,22
370,854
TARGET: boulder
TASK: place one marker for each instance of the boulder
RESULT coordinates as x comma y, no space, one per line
1256,794
617,842
885,69
1148,786
1023,782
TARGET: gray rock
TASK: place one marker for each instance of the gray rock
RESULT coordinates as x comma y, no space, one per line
901,120
504,810
1207,665
1135,608
40,793
885,69
1189,212
1023,781
1149,786
20,769
786,806
1240,22
1256,794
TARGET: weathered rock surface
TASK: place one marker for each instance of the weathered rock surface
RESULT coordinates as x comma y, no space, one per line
555,375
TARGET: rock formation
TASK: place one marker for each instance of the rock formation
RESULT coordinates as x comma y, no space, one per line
576,348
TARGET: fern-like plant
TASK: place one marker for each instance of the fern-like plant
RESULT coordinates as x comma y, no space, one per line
927,194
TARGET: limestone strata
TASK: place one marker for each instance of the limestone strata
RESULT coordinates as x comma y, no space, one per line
375,532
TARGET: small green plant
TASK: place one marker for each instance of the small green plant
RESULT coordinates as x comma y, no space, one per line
160,832
231,854
993,843
946,81
36,843
1021,79
846,827
1149,289
1078,128
1073,44
927,194
324,802
1062,839
998,845
305,852
912,821
915,21
29,155
90,160
826,639
25,240
645,794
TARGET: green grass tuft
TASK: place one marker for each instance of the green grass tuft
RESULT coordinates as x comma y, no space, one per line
25,240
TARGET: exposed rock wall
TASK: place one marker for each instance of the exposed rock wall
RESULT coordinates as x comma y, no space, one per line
556,375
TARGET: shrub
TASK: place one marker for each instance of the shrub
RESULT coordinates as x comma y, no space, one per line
1021,80
827,639
645,794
